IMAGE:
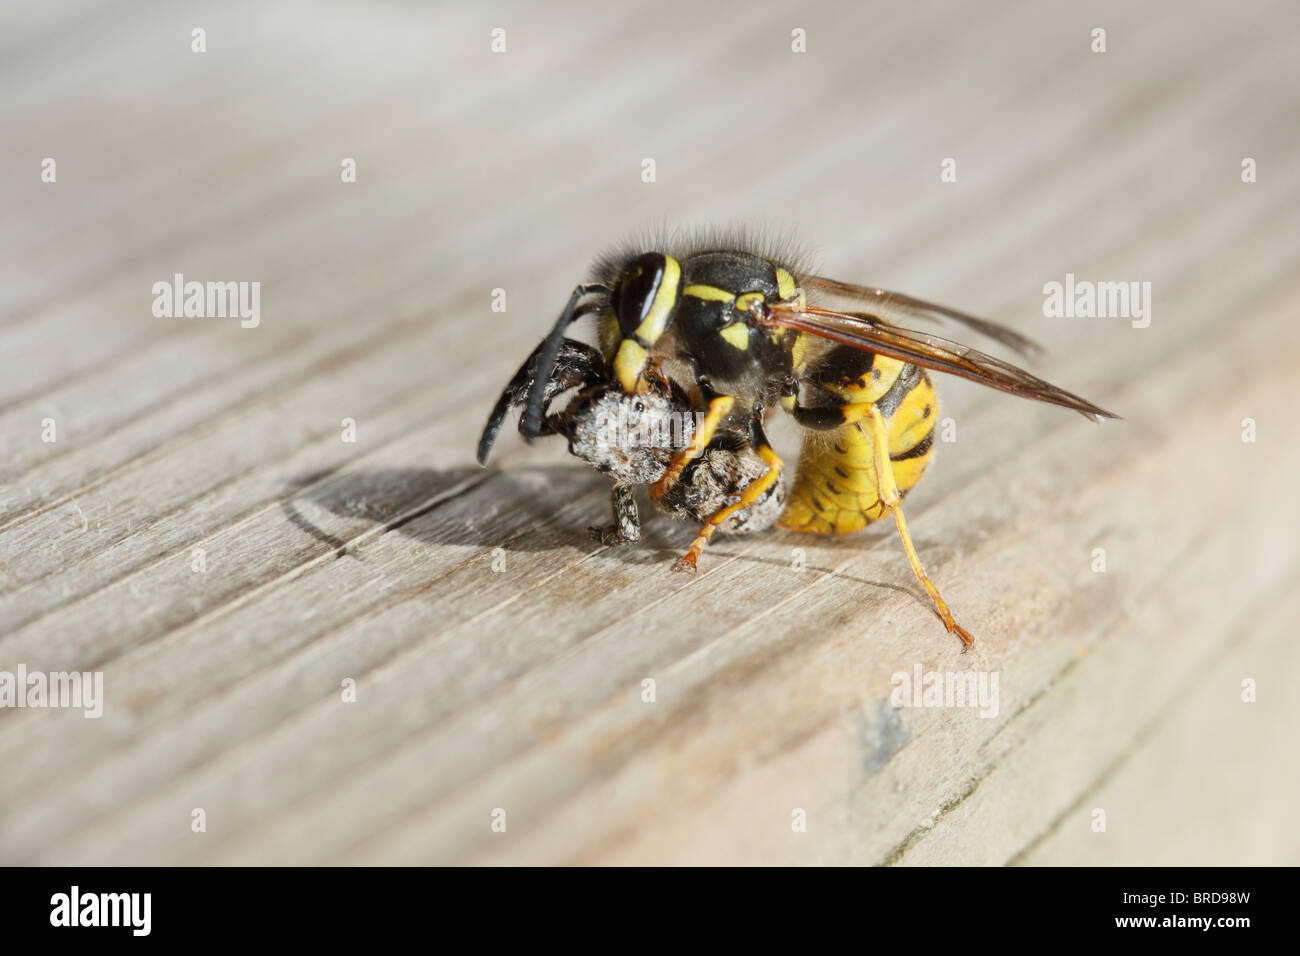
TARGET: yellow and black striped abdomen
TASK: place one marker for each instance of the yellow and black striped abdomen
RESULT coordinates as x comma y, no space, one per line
835,489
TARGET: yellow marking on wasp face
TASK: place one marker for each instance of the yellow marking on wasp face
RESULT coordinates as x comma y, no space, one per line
709,292
736,335
743,302
628,364
788,402
784,283
656,320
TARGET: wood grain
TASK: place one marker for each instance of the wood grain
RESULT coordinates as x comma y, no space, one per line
498,654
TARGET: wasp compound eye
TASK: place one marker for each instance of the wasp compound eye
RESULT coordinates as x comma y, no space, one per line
636,294
645,301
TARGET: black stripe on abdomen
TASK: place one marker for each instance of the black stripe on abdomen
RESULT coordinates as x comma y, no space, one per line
910,377
916,451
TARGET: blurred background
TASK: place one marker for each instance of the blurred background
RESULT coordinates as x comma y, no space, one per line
200,525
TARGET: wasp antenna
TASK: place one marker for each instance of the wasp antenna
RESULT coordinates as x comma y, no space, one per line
493,427
531,424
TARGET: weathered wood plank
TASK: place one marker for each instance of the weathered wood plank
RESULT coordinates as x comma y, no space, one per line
518,686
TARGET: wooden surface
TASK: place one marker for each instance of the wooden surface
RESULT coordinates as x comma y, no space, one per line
521,688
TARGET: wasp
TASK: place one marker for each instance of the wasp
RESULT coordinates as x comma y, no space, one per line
699,344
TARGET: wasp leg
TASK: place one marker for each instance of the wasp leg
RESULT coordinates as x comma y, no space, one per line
627,520
576,364
891,499
752,493
719,407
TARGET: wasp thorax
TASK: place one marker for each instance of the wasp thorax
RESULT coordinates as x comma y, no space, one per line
629,437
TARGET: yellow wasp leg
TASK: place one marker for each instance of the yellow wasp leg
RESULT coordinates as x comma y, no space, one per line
890,498
752,493
718,409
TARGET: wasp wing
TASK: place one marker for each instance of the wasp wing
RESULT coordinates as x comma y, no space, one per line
872,334
894,307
